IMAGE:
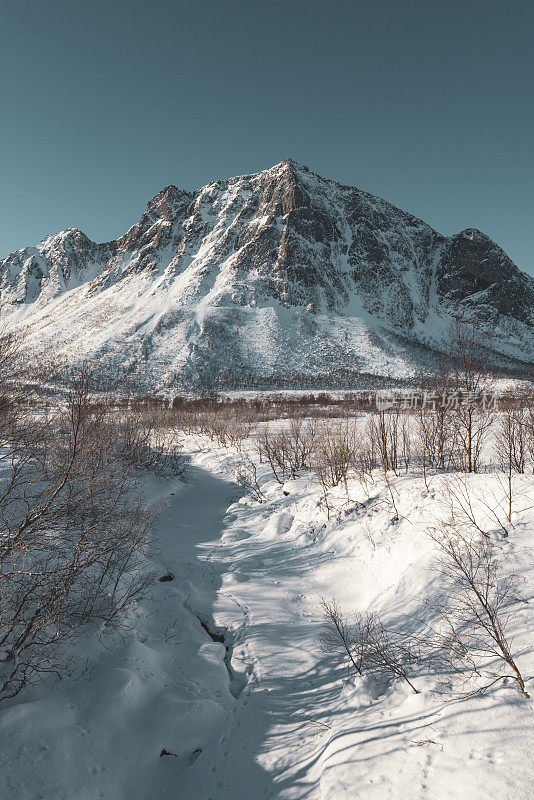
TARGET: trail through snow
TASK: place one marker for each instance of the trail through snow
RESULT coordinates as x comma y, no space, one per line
315,733
162,685
217,690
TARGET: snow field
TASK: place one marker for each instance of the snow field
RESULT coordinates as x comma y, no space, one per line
264,713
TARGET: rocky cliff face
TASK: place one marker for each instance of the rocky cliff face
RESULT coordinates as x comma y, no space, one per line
276,278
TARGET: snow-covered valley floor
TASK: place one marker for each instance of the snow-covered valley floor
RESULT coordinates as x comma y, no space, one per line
266,714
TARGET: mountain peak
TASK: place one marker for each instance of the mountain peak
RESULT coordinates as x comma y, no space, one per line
69,235
288,164
280,277
165,202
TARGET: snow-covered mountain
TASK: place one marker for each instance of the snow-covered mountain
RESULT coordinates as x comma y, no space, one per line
277,278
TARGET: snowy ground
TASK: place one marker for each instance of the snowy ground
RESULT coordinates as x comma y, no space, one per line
266,714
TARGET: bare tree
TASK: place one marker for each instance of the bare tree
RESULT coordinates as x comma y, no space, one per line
289,450
366,457
435,434
385,429
478,602
511,446
149,441
467,507
338,635
391,651
469,359
334,450
246,475
273,449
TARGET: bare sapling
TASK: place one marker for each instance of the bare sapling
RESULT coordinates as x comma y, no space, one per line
368,645
272,448
477,605
469,361
365,459
511,447
386,429
246,476
471,510
339,636
391,652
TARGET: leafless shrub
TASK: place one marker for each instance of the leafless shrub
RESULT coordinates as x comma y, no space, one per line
365,458
333,456
149,442
339,636
246,476
391,652
273,449
334,451
478,601
367,644
367,531
72,530
301,438
290,450
217,422
466,506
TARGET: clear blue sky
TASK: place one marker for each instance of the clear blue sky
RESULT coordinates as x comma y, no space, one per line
427,104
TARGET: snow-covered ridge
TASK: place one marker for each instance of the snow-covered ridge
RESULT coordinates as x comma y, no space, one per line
276,278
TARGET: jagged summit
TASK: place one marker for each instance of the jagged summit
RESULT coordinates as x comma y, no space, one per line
168,199
279,277
290,164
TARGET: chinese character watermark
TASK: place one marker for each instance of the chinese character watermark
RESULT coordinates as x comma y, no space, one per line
412,399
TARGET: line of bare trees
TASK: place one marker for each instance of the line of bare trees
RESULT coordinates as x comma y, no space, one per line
477,598
438,436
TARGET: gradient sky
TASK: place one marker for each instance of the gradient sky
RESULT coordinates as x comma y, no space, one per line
427,104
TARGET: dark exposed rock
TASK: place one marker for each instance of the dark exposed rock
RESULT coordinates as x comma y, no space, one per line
474,265
297,278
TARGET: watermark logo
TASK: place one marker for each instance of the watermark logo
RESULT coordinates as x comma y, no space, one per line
411,400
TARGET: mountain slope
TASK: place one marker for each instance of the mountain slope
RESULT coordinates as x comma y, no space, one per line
276,278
